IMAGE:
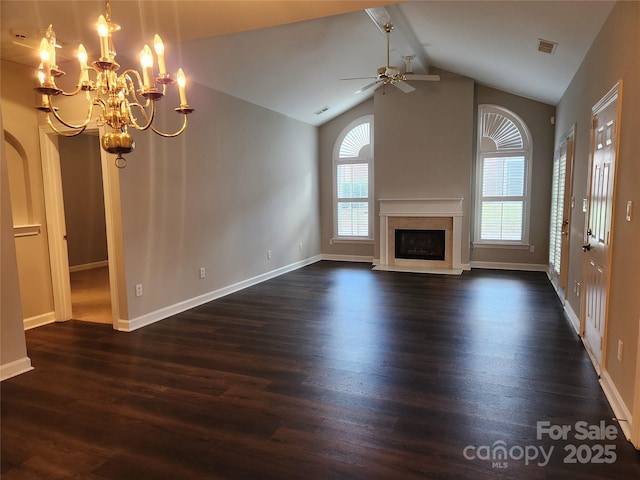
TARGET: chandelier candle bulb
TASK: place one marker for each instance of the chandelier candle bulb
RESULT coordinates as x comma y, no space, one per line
82,57
182,82
45,56
146,61
103,33
51,37
159,48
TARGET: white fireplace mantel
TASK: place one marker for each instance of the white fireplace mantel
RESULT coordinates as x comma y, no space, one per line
421,207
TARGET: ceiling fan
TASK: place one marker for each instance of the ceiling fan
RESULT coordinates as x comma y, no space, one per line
390,75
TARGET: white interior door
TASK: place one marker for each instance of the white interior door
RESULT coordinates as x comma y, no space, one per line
600,209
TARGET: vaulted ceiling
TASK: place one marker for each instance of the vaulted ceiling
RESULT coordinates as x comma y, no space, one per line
290,56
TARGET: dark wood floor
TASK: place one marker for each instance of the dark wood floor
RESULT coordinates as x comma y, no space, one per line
333,371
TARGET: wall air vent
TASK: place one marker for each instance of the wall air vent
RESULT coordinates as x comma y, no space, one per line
546,46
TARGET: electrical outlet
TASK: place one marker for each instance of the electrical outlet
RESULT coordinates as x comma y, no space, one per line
619,350
300,246
202,272
268,254
532,248
139,290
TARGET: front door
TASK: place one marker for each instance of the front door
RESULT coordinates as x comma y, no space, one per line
597,245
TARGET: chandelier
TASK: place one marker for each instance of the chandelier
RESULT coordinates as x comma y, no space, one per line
118,97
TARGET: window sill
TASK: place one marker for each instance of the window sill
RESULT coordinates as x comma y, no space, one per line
506,246
351,240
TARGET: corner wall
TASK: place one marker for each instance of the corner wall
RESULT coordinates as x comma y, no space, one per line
20,121
537,116
328,135
13,350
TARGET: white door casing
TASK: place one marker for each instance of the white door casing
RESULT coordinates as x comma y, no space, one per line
56,228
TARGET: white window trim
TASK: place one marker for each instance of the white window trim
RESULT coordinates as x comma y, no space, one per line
527,152
336,160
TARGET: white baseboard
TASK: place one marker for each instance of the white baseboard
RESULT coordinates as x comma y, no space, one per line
39,320
573,317
347,258
17,367
161,314
526,267
88,266
618,406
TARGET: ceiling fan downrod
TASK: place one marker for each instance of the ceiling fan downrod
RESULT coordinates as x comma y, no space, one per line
387,28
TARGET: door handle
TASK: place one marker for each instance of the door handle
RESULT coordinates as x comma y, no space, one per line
586,248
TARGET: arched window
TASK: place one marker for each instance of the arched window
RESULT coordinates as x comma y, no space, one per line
353,181
503,167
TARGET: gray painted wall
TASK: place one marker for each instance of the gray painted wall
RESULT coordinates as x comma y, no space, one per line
240,181
614,56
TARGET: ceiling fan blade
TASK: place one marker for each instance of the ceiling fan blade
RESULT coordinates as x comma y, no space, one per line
367,87
359,78
404,86
429,78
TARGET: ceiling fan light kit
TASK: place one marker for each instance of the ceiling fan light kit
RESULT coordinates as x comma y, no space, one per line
117,96
391,75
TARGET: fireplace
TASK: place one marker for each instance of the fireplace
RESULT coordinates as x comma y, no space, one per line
408,241
419,244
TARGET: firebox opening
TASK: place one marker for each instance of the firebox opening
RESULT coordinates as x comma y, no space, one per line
420,244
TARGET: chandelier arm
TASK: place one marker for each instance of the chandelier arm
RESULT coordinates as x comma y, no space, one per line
75,92
132,88
83,125
171,135
65,134
148,118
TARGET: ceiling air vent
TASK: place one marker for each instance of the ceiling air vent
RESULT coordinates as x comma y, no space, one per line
546,46
321,111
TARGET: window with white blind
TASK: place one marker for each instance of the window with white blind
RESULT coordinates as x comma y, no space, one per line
502,178
557,208
353,181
